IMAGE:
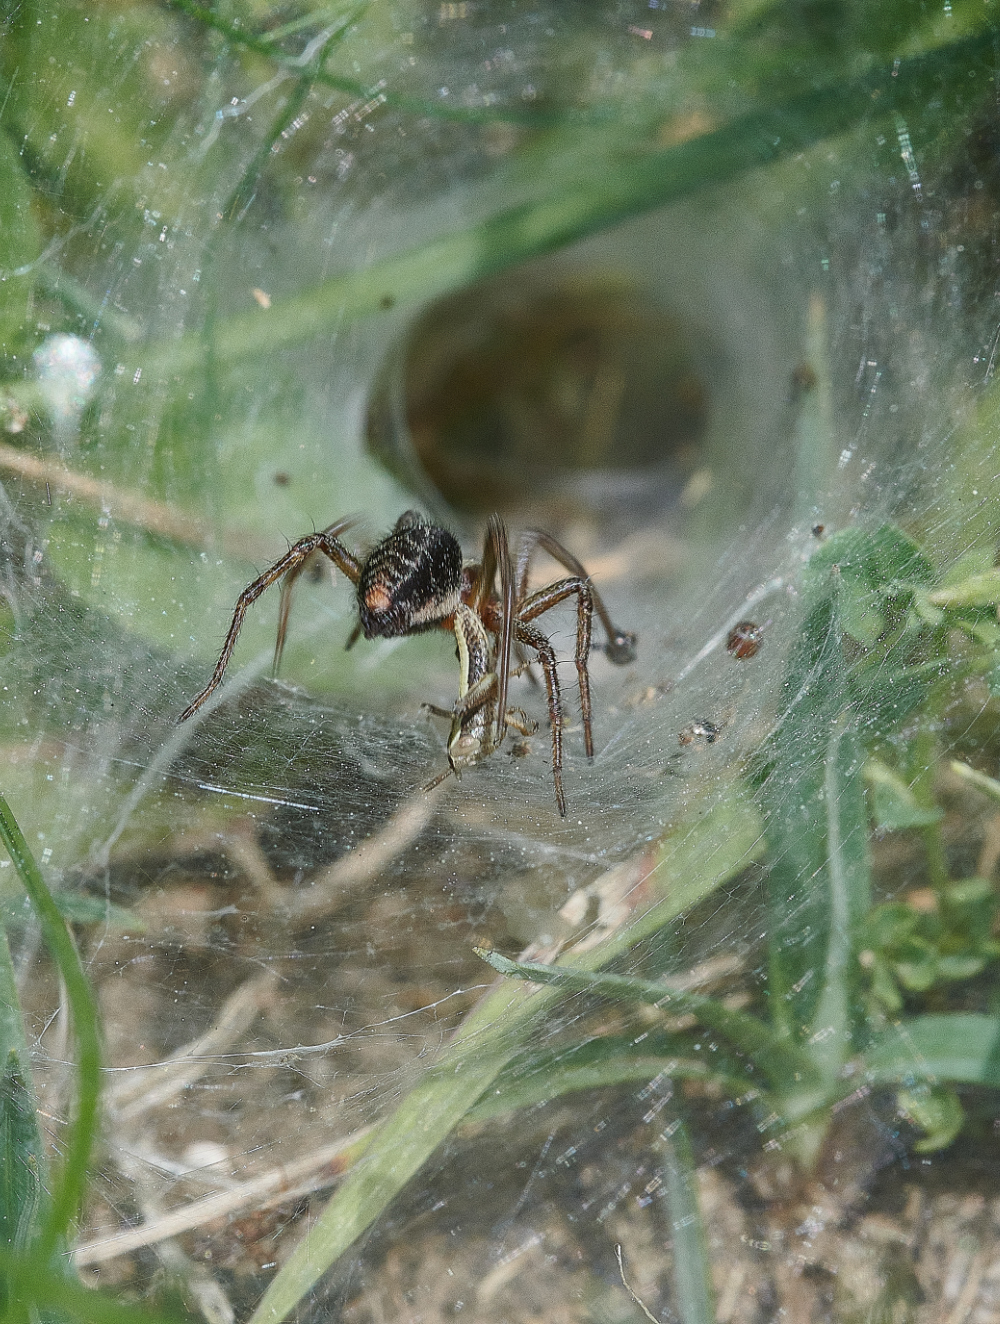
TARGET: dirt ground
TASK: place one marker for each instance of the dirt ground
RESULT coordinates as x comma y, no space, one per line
255,1025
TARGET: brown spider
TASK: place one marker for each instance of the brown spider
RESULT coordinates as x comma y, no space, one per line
415,580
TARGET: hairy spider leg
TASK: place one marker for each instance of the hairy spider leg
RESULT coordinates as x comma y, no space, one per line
436,710
284,610
535,640
474,701
520,721
480,595
541,602
620,647
496,558
325,541
447,772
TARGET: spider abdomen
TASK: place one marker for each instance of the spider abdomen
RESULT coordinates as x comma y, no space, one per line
411,580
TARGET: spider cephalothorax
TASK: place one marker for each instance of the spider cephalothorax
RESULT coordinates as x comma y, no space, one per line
411,581
415,580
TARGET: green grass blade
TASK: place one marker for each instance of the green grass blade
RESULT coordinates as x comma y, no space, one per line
403,1143
32,1279
611,184
718,836
833,1029
21,1166
793,763
69,1188
265,45
12,1038
963,1048
772,1052
605,1064
488,1038
692,1273
850,679
19,246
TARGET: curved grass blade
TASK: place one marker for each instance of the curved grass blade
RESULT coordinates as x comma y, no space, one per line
835,1021
695,862
617,184
23,1168
22,1165
692,1273
962,1048
12,1038
69,1188
774,1053
603,1063
265,45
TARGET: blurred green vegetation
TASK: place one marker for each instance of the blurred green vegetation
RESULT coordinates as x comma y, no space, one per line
169,163
235,204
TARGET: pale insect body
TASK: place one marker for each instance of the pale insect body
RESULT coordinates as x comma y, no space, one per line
475,731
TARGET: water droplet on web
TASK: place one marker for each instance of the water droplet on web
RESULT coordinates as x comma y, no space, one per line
67,368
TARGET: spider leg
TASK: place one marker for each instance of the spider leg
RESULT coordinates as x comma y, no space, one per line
546,598
327,542
497,560
516,717
524,667
620,647
537,641
435,711
284,607
340,560
441,777
334,550
497,535
520,721
471,702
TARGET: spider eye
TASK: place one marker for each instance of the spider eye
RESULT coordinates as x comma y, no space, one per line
411,580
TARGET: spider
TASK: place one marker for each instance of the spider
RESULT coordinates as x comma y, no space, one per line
415,580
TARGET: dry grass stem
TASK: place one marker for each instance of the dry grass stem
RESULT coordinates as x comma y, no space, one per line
288,1181
155,517
145,513
151,1086
970,1290
599,909
240,846
366,861
629,1289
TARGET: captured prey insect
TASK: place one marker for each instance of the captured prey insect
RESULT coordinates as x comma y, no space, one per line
415,580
